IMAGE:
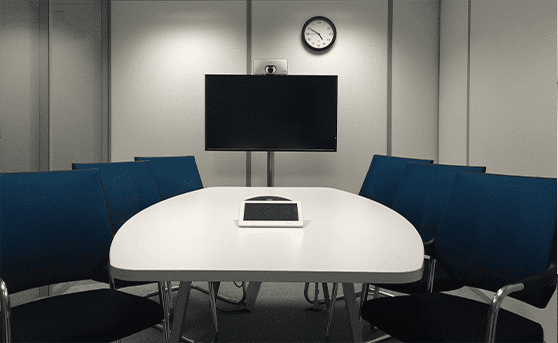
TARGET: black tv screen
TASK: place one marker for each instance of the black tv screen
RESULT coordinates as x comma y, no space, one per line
271,112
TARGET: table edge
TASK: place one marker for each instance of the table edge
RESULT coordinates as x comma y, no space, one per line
267,276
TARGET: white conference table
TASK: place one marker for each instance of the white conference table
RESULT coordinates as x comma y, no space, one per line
195,236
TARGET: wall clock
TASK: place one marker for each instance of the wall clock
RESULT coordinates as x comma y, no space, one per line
318,33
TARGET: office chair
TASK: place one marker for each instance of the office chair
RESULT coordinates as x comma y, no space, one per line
55,228
384,176
421,198
175,174
380,184
129,187
497,233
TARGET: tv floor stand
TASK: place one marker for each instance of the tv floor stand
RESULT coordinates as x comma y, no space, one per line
270,167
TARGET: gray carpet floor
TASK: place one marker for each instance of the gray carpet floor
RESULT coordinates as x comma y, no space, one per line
279,315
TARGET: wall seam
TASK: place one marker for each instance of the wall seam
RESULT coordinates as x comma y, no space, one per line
105,79
468,79
248,71
389,77
44,85
109,91
44,99
438,88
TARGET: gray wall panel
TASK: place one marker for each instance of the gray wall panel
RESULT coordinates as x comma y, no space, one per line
453,82
415,78
512,96
76,83
19,89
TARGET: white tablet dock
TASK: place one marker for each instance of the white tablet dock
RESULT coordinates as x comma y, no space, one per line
262,213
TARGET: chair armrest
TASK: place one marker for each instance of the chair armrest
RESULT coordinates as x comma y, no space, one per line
431,274
6,313
111,282
546,279
495,307
429,247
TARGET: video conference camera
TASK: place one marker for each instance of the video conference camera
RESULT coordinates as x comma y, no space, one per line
270,67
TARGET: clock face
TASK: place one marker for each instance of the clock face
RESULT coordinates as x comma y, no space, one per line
318,33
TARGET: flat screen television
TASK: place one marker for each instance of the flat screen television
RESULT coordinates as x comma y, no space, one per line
271,112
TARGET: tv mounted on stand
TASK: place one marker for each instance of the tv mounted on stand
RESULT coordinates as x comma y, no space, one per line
271,113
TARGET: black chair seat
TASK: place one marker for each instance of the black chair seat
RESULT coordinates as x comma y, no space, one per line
62,319
442,282
437,316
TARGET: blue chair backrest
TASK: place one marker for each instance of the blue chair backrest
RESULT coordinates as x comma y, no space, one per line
54,228
497,230
129,188
384,176
175,174
424,192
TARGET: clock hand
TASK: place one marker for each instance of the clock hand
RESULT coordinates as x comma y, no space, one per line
317,33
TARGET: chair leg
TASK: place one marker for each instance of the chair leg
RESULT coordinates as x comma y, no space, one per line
165,302
326,294
331,308
169,294
161,301
316,305
363,296
431,274
212,292
316,302
5,312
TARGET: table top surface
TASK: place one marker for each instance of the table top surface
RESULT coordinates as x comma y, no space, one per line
196,237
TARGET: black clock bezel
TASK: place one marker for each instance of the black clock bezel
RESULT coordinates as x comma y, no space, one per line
304,29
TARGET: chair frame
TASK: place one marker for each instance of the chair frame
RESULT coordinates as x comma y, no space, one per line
7,320
6,313
495,307
5,306
495,304
546,279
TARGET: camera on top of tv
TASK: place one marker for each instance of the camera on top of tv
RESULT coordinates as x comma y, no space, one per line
270,67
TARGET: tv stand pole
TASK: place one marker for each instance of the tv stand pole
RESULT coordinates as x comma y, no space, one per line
270,169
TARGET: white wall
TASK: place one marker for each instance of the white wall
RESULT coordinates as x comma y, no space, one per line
161,52
415,78
76,127
453,82
512,104
75,84
512,107
19,89
358,57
